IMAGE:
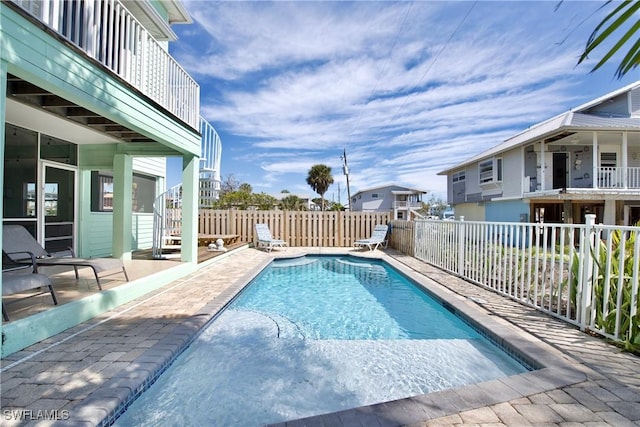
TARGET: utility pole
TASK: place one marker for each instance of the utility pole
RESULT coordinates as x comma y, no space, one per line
345,169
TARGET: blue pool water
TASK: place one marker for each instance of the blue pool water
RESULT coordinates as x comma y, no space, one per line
315,335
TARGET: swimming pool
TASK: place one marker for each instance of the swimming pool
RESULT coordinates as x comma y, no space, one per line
316,335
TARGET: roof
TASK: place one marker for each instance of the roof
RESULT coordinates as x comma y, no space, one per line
154,22
404,190
573,119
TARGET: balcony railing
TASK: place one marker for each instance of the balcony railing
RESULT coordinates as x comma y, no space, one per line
618,177
406,204
107,32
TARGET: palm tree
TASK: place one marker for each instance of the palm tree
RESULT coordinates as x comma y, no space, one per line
320,179
624,12
292,203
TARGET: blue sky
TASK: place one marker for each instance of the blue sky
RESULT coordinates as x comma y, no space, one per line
407,88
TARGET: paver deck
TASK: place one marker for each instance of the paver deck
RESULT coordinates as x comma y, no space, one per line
85,375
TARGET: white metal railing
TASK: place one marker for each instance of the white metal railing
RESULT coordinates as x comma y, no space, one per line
107,32
585,274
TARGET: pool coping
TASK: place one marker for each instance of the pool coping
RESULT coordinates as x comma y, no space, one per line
555,369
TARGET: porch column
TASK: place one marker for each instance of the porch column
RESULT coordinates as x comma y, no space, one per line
542,166
609,212
189,250
625,164
122,205
596,165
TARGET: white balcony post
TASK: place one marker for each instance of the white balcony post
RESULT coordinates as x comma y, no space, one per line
625,163
596,163
542,166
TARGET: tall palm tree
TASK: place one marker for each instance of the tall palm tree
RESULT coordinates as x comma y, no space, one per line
319,178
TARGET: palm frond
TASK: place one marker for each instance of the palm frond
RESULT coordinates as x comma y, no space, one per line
620,16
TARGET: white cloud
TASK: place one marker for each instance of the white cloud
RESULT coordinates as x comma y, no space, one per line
407,88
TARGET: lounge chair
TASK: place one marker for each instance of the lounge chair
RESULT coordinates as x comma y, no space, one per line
265,240
378,237
17,278
20,245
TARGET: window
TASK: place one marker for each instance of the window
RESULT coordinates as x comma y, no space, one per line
608,160
459,176
490,171
374,195
20,172
58,150
486,171
143,192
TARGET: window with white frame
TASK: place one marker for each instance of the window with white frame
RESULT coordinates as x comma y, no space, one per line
459,176
490,171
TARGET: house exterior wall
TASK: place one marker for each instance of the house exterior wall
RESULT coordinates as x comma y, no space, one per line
96,233
365,202
470,211
512,173
507,211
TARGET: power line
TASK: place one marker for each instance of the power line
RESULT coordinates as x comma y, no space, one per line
412,91
384,66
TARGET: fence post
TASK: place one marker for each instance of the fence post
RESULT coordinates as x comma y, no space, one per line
586,272
461,239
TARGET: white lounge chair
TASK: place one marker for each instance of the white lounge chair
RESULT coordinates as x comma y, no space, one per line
378,237
265,240
22,247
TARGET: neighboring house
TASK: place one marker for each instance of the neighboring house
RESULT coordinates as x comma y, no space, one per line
402,201
91,104
586,160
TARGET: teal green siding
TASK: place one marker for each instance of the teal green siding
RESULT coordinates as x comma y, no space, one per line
36,56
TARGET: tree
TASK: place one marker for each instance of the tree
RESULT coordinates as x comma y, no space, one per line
336,207
319,178
292,203
229,184
245,188
625,12
263,201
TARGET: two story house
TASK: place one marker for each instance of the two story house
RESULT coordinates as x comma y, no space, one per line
402,201
586,160
91,104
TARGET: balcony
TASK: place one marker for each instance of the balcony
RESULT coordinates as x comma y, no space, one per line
107,32
406,204
618,177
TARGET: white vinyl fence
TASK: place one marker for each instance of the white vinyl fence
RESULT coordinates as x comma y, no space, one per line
586,274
